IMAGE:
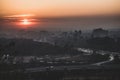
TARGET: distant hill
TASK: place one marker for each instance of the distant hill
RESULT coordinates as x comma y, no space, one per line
106,43
24,47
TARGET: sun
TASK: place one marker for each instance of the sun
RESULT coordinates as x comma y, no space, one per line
25,22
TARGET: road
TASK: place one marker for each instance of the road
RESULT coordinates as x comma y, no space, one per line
72,67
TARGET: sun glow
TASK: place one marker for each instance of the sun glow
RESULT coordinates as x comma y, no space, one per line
25,22
20,16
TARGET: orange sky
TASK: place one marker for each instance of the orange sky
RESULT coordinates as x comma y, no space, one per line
57,8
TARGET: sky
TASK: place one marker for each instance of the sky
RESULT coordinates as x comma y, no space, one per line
59,14
58,8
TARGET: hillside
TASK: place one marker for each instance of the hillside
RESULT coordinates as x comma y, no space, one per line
24,47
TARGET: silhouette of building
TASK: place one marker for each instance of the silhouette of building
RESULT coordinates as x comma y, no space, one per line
99,33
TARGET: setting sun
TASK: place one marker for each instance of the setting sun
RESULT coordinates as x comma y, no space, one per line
25,22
